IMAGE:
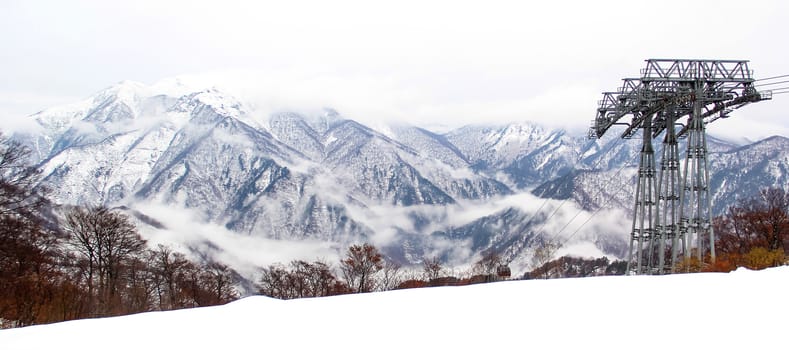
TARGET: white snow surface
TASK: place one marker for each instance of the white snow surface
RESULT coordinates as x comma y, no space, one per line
738,310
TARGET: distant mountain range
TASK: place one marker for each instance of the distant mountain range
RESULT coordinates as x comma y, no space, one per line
320,177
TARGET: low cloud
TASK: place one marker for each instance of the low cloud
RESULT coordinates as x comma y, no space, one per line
373,97
575,229
187,231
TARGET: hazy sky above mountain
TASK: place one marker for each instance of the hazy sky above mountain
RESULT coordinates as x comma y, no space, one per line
437,63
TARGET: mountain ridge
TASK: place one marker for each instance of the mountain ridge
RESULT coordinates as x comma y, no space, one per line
319,176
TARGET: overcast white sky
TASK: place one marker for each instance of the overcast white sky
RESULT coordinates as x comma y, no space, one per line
422,62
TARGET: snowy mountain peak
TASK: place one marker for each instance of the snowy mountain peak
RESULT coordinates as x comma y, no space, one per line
125,90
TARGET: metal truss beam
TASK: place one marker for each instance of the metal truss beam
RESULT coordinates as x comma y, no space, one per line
693,70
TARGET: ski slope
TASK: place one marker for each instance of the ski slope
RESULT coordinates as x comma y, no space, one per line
743,309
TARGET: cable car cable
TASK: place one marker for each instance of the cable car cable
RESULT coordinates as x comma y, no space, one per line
773,83
605,186
775,77
542,226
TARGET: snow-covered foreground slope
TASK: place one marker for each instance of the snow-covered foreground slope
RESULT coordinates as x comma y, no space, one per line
743,309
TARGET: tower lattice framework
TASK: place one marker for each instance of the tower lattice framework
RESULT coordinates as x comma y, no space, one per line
672,214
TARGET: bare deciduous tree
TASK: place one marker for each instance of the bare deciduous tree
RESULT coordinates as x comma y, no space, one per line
431,268
27,249
487,265
219,283
19,194
390,277
360,265
762,221
169,269
274,282
105,240
544,254
304,279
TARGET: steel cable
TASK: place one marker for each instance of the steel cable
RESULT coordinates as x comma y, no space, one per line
775,77
773,83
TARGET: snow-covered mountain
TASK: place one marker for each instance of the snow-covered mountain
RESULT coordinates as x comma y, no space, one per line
526,153
318,176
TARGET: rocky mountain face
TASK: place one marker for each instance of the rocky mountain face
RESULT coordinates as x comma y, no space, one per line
319,176
736,172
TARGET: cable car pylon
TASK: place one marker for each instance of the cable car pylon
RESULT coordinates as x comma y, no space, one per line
672,216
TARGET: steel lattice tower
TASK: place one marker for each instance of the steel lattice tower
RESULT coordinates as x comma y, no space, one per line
666,209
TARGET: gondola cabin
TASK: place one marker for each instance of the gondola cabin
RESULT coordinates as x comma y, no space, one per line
503,271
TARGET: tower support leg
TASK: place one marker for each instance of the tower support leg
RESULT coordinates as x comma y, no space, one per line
696,201
643,233
668,190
